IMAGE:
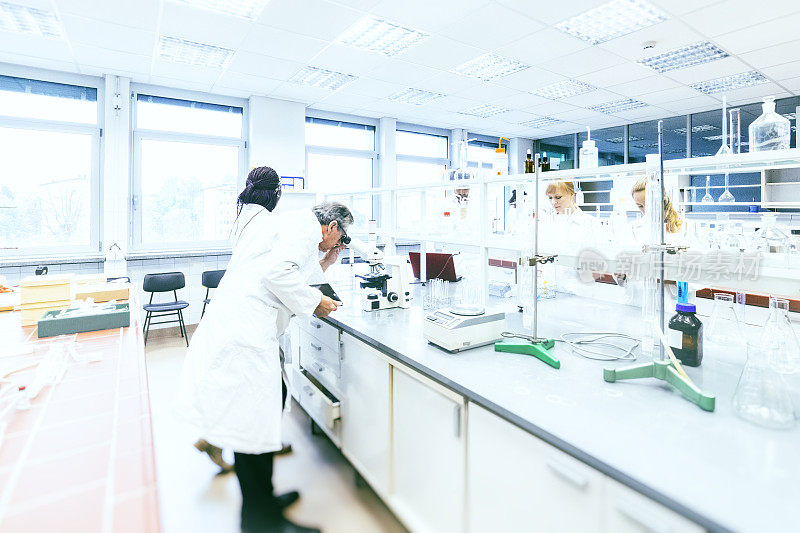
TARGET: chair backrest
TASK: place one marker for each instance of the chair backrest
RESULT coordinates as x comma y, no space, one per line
164,282
211,278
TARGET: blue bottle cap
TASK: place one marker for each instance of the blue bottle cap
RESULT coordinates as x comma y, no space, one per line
686,308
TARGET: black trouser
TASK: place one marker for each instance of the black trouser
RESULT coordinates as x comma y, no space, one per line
254,471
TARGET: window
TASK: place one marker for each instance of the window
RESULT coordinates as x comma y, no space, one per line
643,139
610,143
189,161
481,153
560,150
340,156
421,157
52,203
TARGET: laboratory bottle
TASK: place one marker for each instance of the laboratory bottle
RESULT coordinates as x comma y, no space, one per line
529,168
545,162
579,198
770,131
685,335
589,155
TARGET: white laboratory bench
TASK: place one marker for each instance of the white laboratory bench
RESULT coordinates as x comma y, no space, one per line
484,441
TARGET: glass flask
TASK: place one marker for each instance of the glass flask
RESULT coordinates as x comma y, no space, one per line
724,327
708,199
726,197
770,131
778,340
770,238
762,395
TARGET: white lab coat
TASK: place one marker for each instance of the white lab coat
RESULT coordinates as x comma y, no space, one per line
230,387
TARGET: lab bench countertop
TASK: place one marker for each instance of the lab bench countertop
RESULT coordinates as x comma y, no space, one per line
712,467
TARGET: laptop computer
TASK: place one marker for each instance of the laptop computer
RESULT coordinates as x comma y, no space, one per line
437,265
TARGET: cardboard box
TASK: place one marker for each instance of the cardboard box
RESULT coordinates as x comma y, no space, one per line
31,313
48,288
90,279
51,324
103,292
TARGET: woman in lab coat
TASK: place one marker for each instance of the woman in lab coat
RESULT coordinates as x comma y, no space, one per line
230,387
673,223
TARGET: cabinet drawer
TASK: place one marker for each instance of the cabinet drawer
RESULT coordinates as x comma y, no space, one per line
320,404
627,511
323,331
320,359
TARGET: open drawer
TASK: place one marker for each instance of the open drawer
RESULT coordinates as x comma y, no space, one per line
322,406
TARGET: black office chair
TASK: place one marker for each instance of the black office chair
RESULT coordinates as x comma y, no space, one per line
211,279
166,282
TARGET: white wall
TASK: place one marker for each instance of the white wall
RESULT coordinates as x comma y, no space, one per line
277,136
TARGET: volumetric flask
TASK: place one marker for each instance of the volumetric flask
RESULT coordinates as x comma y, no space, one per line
778,340
762,395
724,327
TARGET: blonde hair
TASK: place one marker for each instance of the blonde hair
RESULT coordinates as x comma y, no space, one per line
566,188
672,219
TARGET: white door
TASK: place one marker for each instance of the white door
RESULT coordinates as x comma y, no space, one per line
517,482
366,411
429,455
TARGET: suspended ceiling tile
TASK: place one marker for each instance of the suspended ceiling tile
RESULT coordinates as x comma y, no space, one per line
488,92
396,71
283,44
616,75
373,88
452,104
490,27
583,62
351,100
551,108
669,95
340,58
599,96
749,95
253,85
300,93
446,83
643,86
202,26
708,71
108,35
521,100
313,18
191,73
542,46
142,14
181,83
773,55
37,62
781,30
425,15
682,7
530,79
582,116
783,72
682,106
792,84
515,116
551,12
94,56
361,5
731,15
440,53
260,65
667,35
642,114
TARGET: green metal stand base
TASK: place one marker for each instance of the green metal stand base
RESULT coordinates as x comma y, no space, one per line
540,350
663,370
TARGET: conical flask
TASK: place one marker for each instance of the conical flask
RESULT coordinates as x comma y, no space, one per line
778,340
762,395
724,327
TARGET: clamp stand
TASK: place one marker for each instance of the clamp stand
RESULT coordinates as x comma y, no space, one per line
665,371
538,348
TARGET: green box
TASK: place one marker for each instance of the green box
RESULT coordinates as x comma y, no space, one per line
51,325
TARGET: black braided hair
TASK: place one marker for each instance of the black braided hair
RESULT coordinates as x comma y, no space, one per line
263,188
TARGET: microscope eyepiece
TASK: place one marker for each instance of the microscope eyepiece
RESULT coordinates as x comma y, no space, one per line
345,239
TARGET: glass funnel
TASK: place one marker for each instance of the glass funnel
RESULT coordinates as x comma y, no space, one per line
708,199
726,197
770,131
762,395
724,327
778,340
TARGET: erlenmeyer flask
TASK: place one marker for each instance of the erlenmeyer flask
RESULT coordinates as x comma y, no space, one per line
778,340
726,196
762,396
708,199
724,327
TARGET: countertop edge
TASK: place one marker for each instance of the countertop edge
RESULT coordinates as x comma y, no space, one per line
538,432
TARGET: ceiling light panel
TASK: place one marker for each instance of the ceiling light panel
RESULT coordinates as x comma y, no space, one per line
564,89
730,83
244,9
15,18
616,106
320,77
687,56
192,53
620,140
541,122
490,66
611,20
484,111
695,129
378,35
415,97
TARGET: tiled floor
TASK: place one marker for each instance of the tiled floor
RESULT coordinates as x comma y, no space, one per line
192,498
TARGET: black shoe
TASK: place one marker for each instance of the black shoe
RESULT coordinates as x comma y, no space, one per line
286,499
281,526
286,450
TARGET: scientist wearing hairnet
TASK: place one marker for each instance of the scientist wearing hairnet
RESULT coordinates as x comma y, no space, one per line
230,387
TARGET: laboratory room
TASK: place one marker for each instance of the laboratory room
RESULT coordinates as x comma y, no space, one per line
380,266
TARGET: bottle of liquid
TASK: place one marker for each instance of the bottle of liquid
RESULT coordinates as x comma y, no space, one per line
500,161
589,156
545,162
685,335
770,131
579,199
529,163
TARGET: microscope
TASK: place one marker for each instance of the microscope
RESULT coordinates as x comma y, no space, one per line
387,280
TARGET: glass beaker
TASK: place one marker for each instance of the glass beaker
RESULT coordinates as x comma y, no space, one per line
708,199
762,395
778,340
726,196
724,327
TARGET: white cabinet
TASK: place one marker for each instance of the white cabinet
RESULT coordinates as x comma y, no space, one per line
627,511
518,482
366,411
429,461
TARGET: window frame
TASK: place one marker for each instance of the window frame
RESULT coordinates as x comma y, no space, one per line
138,135
94,130
422,130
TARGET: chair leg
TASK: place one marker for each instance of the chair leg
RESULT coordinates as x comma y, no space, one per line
147,321
183,327
180,323
203,312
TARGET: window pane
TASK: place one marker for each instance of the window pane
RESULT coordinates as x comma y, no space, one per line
170,114
788,108
560,150
20,97
320,132
480,154
338,173
643,139
48,200
610,145
707,129
421,144
188,191
415,173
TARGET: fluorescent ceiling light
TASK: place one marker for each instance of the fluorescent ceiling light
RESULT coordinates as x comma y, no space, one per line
620,140
245,9
695,129
687,56
490,66
29,20
484,110
320,77
378,35
415,97
616,106
541,122
192,53
564,89
611,20
730,83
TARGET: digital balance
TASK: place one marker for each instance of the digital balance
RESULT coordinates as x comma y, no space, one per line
463,327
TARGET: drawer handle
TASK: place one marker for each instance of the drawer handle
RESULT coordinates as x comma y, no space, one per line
317,325
308,390
568,475
317,348
650,523
319,367
457,420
